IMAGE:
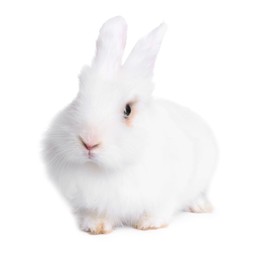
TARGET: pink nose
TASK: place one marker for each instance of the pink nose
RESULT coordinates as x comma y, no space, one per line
89,146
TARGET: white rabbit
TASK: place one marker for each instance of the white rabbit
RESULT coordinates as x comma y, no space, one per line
120,156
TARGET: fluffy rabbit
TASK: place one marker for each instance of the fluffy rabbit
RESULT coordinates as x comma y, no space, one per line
120,156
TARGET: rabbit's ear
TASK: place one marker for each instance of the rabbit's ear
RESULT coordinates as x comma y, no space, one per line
110,46
141,60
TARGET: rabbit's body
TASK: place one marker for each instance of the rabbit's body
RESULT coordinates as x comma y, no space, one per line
161,165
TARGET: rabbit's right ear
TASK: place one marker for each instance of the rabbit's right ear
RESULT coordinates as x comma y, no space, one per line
140,62
110,46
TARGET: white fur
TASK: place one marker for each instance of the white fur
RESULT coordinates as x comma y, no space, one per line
144,172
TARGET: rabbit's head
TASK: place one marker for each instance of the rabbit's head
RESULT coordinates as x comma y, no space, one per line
105,124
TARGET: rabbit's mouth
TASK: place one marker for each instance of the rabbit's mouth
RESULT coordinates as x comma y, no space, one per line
91,156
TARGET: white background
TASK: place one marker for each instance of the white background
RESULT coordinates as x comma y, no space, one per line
214,59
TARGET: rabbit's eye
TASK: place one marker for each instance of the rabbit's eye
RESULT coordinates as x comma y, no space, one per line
127,111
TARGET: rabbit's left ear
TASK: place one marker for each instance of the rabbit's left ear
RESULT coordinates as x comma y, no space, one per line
140,62
110,46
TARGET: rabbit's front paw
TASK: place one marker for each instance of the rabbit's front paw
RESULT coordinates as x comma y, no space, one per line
200,205
95,226
147,223
101,227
